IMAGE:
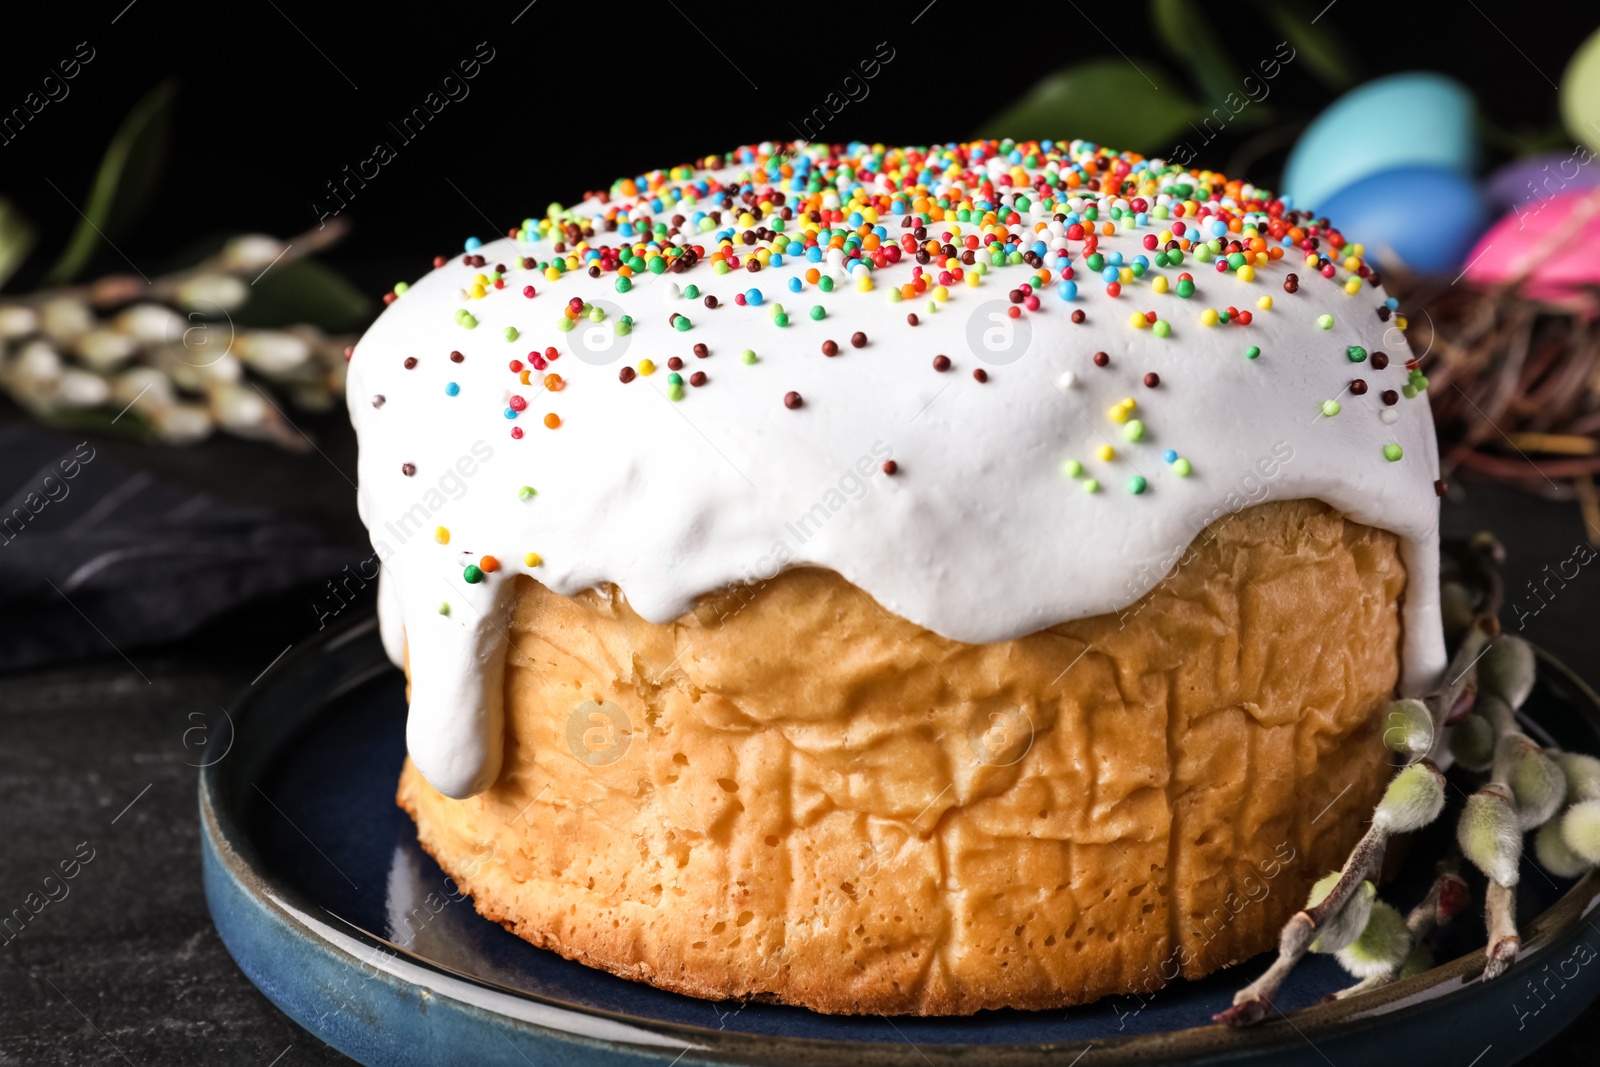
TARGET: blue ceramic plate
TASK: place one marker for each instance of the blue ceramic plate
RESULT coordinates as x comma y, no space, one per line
318,888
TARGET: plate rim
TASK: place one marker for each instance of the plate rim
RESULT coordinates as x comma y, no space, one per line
225,843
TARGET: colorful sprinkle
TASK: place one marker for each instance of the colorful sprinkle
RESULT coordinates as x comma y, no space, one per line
1392,452
833,215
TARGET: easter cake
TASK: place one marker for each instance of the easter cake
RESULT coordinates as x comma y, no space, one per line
900,580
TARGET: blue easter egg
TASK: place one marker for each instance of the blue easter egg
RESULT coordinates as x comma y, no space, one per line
1415,119
1421,218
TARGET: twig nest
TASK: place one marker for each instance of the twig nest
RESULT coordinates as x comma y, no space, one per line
1382,946
1408,728
151,324
105,349
1472,743
1550,848
1580,830
1413,800
1537,784
1582,774
1346,925
1507,669
1489,834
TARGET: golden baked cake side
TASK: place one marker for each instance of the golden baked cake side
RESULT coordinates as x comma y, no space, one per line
791,794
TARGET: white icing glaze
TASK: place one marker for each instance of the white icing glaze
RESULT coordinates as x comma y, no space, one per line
980,536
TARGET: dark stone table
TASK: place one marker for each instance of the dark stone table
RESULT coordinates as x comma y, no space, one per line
126,968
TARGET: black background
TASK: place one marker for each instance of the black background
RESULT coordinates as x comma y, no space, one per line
278,96
130,970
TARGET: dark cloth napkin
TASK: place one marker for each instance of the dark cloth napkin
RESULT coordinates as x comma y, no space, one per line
96,558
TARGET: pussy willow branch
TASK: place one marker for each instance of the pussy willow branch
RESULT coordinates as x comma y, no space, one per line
1455,697
1500,901
1447,898
1500,912
115,290
1479,559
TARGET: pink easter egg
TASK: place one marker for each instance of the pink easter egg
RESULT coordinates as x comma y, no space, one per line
1553,244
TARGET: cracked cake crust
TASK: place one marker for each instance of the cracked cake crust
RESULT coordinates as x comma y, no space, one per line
790,794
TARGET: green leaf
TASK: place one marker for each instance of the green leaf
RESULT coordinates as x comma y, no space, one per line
124,183
106,421
1317,44
16,239
1189,36
1108,101
303,291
